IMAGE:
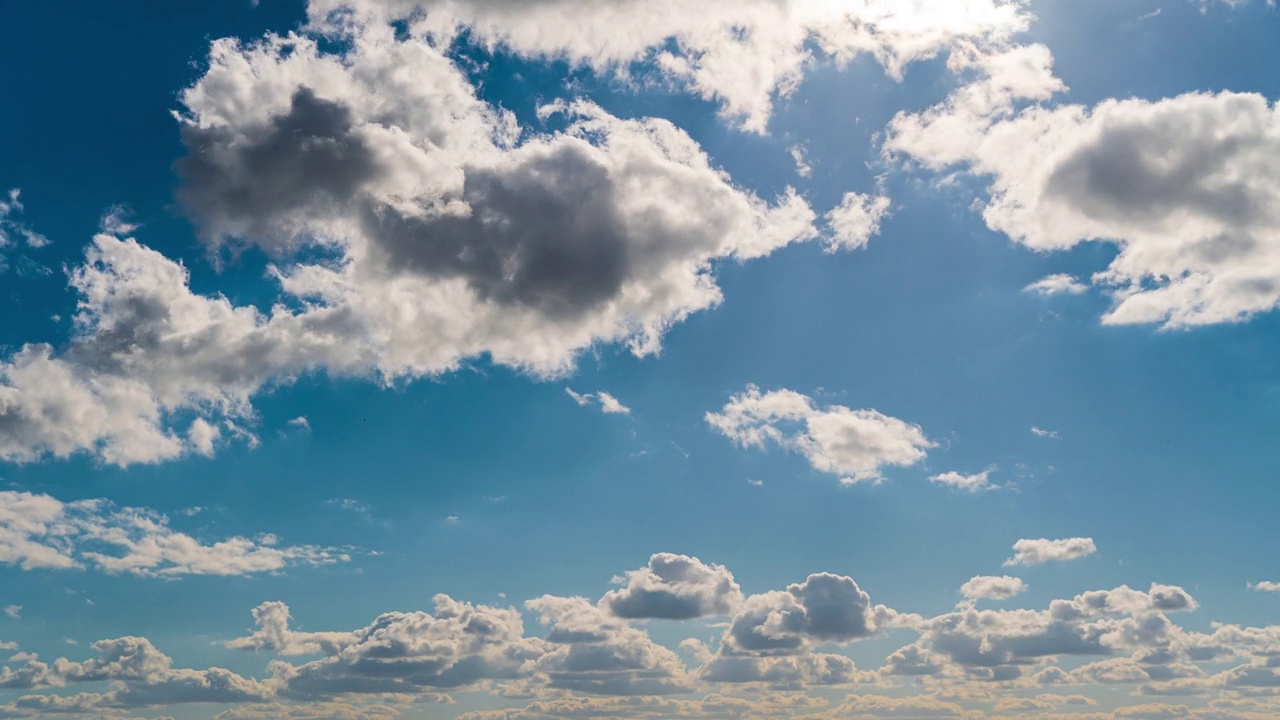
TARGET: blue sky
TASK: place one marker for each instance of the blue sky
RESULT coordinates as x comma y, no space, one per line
635,360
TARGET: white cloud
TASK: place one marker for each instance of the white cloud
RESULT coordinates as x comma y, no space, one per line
855,220
141,676
1060,284
1041,432
799,156
1038,551
1185,187
992,588
40,532
740,53
12,229
274,635
854,444
977,482
386,164
674,587
609,404
13,611
1265,586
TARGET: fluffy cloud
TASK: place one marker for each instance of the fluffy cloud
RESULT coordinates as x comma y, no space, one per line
1185,187
674,587
1265,586
275,636
407,192
993,588
1039,551
968,483
142,677
741,53
609,404
854,444
461,644
38,531
591,651
773,636
855,220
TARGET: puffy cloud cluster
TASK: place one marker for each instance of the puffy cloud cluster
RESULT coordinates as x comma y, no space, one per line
414,228
142,676
41,532
739,53
1042,550
1185,187
674,587
774,636
592,662
854,444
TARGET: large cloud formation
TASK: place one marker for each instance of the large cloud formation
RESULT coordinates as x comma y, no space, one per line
444,232
590,662
1185,187
741,54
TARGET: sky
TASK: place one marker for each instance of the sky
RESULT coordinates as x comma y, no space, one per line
639,359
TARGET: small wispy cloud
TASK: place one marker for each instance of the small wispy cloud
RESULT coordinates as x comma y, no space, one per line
609,404
1041,432
14,611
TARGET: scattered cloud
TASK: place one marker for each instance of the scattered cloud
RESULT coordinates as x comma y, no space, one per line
1041,432
13,611
41,532
992,588
853,444
1265,586
1037,552
608,403
977,482
855,220
1060,284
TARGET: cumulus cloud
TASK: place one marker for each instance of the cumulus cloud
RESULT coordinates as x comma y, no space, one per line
992,587
999,645
390,210
854,444
592,651
609,404
1265,586
274,635
674,587
976,482
14,612
458,645
142,676
1185,187
1039,551
741,54
41,532
855,220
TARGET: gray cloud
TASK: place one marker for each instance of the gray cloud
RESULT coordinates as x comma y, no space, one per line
675,587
